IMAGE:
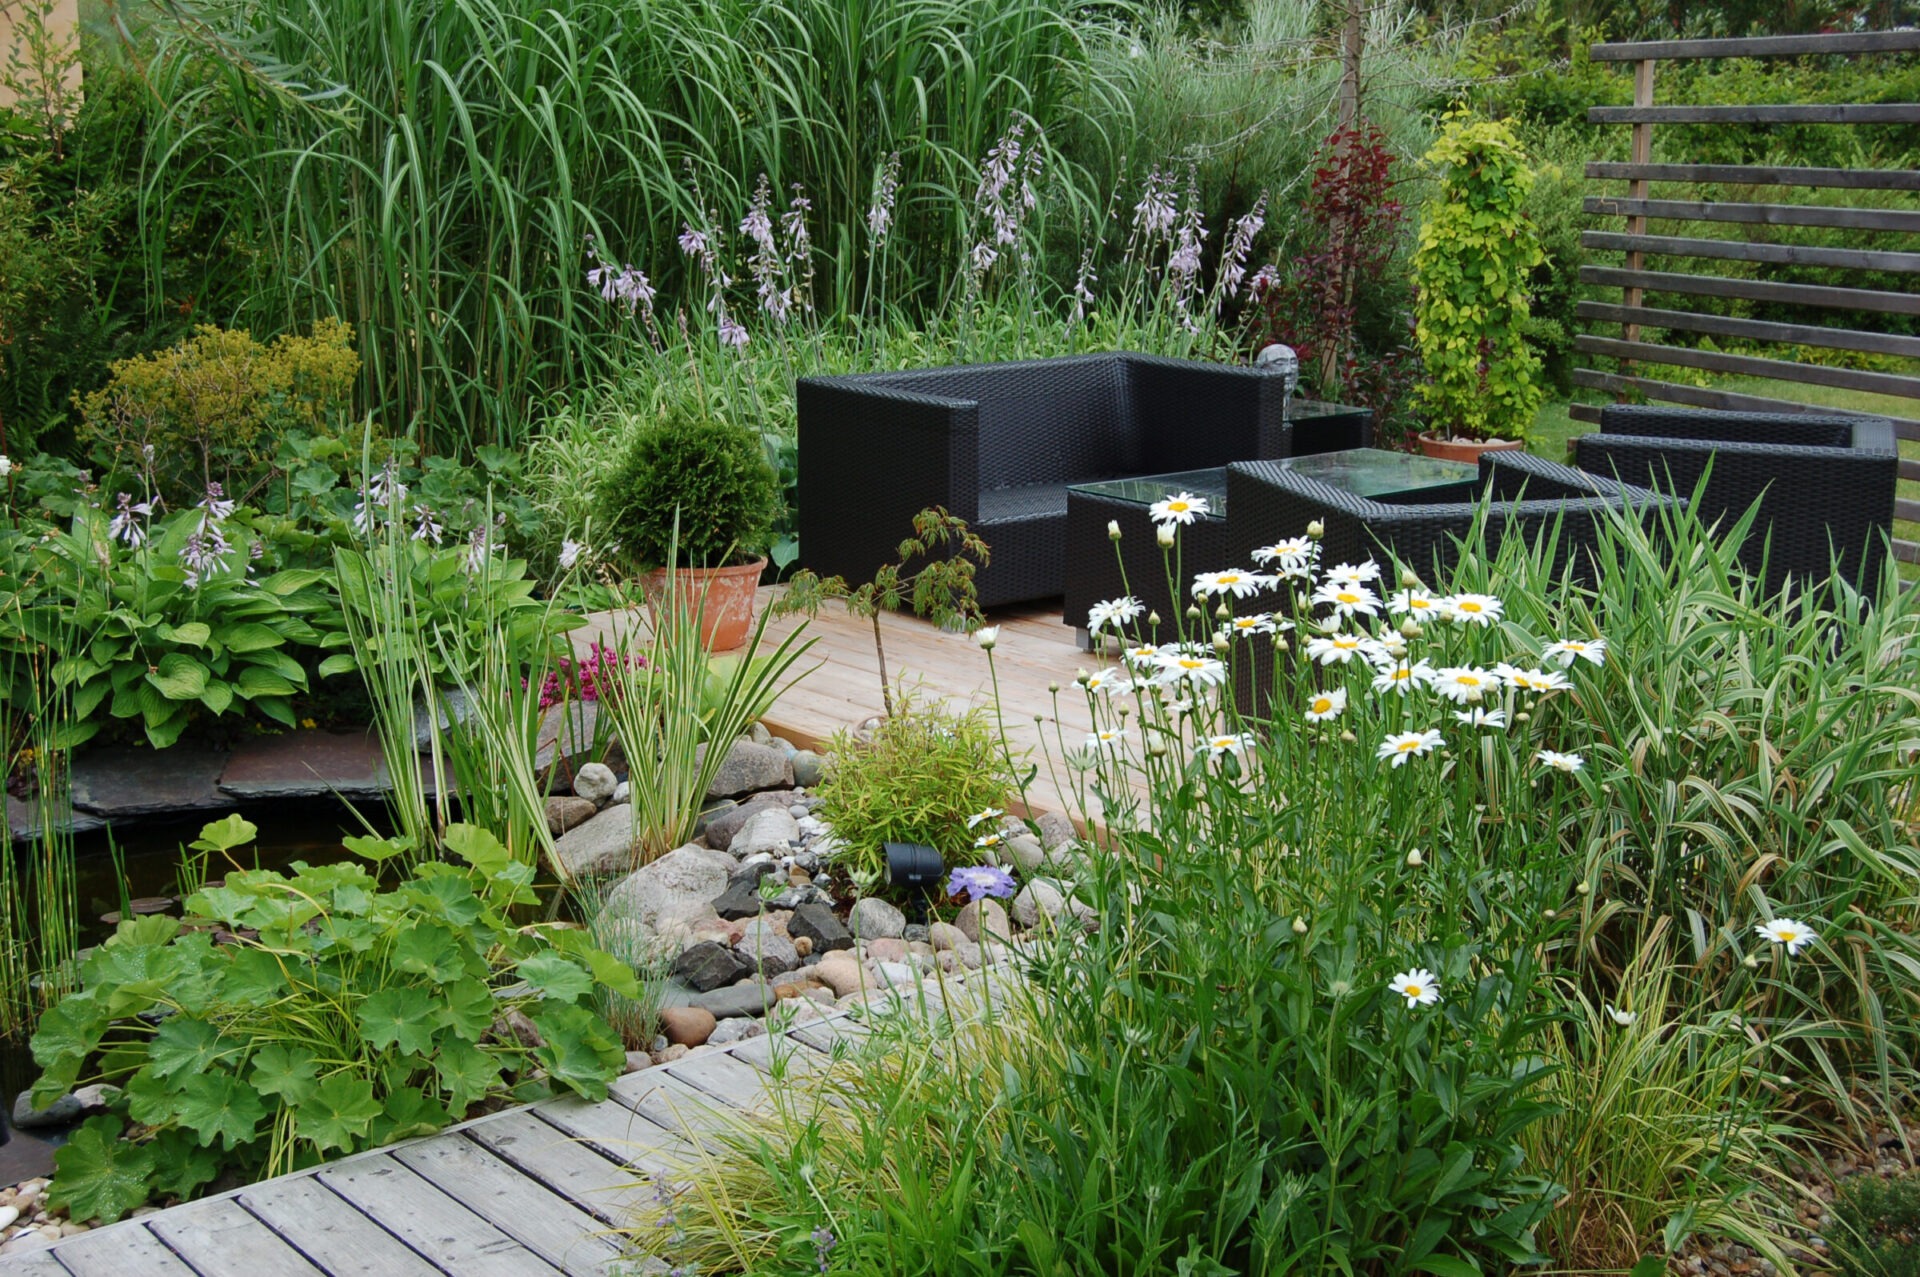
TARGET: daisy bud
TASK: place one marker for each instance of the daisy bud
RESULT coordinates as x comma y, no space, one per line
1156,749
1410,628
1750,962
1348,738
1475,696
987,637
1316,530
1153,620
1221,643
1280,643
1223,612
1164,535
1053,685
1522,717
1409,579
1124,709
1553,913
1080,678
1299,926
1193,612
1113,529
1415,859
1582,888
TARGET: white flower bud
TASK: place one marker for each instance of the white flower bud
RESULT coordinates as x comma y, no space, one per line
1582,888
1348,738
1410,628
1080,677
1409,579
1415,859
1164,535
1153,620
1193,612
1053,685
1316,530
986,637
1156,749
1113,529
1299,926
1221,643
1522,717
1750,962
1223,612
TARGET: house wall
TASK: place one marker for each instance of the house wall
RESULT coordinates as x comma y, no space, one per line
17,16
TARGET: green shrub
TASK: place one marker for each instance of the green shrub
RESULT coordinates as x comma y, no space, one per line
334,1016
918,779
1471,272
696,470
1876,1229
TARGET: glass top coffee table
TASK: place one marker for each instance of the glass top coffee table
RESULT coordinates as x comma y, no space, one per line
1373,473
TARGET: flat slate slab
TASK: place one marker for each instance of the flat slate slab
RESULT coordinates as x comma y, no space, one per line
121,780
306,765
23,821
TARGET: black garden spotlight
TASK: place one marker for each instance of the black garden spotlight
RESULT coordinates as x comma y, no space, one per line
918,870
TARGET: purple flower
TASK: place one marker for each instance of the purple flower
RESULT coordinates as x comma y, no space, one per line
216,504
1156,212
885,192
979,882
732,333
128,523
823,1244
693,243
203,554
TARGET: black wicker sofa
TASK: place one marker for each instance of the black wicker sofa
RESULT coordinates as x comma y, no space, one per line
998,445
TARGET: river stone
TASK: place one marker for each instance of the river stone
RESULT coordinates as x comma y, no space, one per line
737,1000
687,1026
675,890
742,898
1055,829
121,780
1026,852
873,918
944,935
887,950
983,920
1038,900
567,733
766,948
757,732
709,965
729,816
749,767
736,1030
564,813
807,768
61,1112
602,845
770,829
839,971
819,925
595,782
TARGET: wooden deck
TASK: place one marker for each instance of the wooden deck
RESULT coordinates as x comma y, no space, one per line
530,1191
1035,650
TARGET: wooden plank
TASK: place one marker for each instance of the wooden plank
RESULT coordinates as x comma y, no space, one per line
115,1250
1906,509
1745,251
1818,295
1851,179
1587,412
676,1107
217,1238
618,1132
824,1034
1760,113
1907,551
1877,383
457,1240
782,1056
41,1263
1641,153
598,1184
1858,219
1753,329
329,1230
1910,468
543,1221
1722,400
729,1080
1765,46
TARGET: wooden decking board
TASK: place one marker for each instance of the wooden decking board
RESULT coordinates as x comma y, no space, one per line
331,1231
218,1238
541,1220
683,1110
602,1186
461,1241
616,1131
727,1079
39,1263
114,1251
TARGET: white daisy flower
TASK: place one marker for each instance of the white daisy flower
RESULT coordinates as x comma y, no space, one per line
1142,655
1465,684
1106,742
1322,706
1107,681
1234,744
1414,602
1403,677
1795,935
986,840
982,817
1182,507
1348,598
1420,987
1114,613
1404,745
1354,573
1203,671
1472,609
1567,651
1330,649
986,636
1292,556
1232,581
1477,717
1258,623
1568,763
1622,1018
1532,680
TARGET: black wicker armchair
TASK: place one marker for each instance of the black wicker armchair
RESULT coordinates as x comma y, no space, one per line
1825,484
1528,495
998,444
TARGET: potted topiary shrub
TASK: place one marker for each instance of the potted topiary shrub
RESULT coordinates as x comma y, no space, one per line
693,493
1471,269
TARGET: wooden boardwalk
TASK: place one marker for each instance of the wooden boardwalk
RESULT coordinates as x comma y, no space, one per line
1035,652
529,1191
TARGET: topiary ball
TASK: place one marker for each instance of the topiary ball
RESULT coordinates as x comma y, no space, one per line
713,473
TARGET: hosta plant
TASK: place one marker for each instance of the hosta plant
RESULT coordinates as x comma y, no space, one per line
294,1017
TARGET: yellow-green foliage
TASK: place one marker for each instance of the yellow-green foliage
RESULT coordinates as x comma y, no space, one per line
212,407
917,780
1476,249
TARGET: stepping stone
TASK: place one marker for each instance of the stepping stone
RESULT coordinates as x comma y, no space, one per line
120,781
307,765
23,821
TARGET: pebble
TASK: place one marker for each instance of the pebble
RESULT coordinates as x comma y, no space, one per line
687,1026
874,918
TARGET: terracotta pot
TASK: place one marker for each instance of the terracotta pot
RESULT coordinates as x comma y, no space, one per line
728,592
1466,449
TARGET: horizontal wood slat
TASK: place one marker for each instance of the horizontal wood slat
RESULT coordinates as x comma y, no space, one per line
1819,295
1858,219
1742,251
1877,383
1908,510
1909,468
1752,329
1854,179
1906,551
1761,113
1721,400
1765,46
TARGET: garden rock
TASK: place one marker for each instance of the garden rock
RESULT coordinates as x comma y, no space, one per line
807,768
839,971
914,931
567,733
1038,901
596,782
564,813
727,820
622,792
602,845
944,935
1055,829
768,949
737,1030
770,829
749,767
873,918
757,732
709,965
742,898
982,920
687,1026
737,1000
675,890
820,925
63,1111
887,950
1027,853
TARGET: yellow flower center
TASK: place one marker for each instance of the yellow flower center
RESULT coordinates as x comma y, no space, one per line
1348,596
1402,673
1408,746
1346,643
1414,990
1322,704
1177,507
1469,607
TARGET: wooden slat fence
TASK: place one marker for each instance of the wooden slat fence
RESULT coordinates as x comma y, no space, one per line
1638,323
